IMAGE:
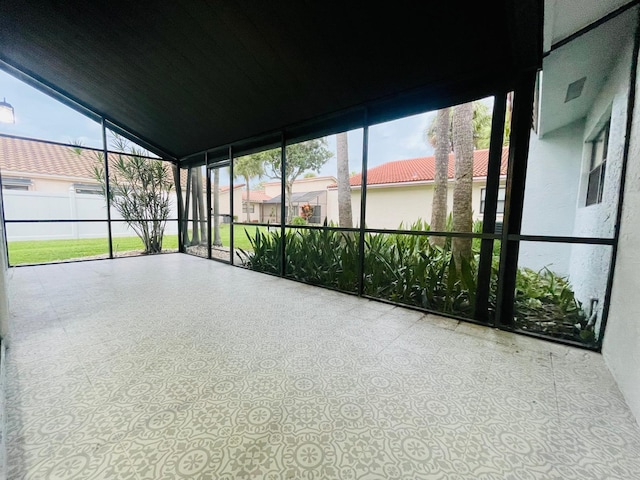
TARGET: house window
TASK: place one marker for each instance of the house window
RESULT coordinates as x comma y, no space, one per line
14,183
251,208
87,188
599,148
501,195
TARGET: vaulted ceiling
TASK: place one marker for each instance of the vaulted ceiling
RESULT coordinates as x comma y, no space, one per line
186,76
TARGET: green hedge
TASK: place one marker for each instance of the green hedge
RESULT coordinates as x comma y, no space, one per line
408,269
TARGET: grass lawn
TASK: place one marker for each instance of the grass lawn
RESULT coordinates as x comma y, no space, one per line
43,251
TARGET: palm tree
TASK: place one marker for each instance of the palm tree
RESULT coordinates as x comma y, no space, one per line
441,179
463,150
248,167
345,218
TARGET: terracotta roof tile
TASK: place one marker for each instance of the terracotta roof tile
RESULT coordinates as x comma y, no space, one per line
423,169
257,196
28,156
226,188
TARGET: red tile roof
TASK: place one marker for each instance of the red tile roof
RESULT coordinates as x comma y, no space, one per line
226,188
22,157
28,156
423,169
257,196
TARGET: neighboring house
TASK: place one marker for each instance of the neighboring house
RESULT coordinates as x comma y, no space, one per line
225,201
29,165
253,203
312,191
401,191
49,181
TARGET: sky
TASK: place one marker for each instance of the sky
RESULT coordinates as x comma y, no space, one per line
42,117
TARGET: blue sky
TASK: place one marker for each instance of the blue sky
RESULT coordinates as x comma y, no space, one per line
40,116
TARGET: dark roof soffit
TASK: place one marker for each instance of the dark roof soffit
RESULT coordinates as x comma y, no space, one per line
186,77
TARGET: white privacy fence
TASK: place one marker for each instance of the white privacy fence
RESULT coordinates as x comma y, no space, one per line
33,205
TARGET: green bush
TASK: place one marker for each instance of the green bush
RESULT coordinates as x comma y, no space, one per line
408,269
545,303
299,221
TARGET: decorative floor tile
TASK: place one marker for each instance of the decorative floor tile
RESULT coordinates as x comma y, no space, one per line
238,375
85,462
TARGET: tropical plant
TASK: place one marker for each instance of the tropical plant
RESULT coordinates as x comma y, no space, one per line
248,167
408,269
546,303
139,190
266,254
306,211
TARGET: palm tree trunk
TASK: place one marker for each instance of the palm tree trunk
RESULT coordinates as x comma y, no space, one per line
289,193
202,207
462,190
344,187
248,199
185,228
441,179
217,242
195,198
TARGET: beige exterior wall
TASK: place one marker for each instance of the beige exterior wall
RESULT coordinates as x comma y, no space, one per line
51,184
255,216
225,201
389,206
332,206
312,184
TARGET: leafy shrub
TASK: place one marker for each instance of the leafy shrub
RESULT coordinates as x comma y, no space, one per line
267,251
545,303
299,221
409,269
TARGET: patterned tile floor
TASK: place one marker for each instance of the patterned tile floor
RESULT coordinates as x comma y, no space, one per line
176,367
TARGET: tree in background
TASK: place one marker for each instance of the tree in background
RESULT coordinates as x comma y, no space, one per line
479,121
301,157
345,217
248,167
462,189
442,144
139,190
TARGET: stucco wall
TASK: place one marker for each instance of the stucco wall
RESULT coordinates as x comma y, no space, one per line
310,184
589,264
388,206
332,206
224,205
241,216
621,347
551,190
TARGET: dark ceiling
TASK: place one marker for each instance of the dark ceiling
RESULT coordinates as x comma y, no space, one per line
186,76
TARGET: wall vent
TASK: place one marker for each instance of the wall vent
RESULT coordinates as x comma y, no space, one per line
574,90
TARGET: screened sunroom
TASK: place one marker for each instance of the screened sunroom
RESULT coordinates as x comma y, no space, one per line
308,241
